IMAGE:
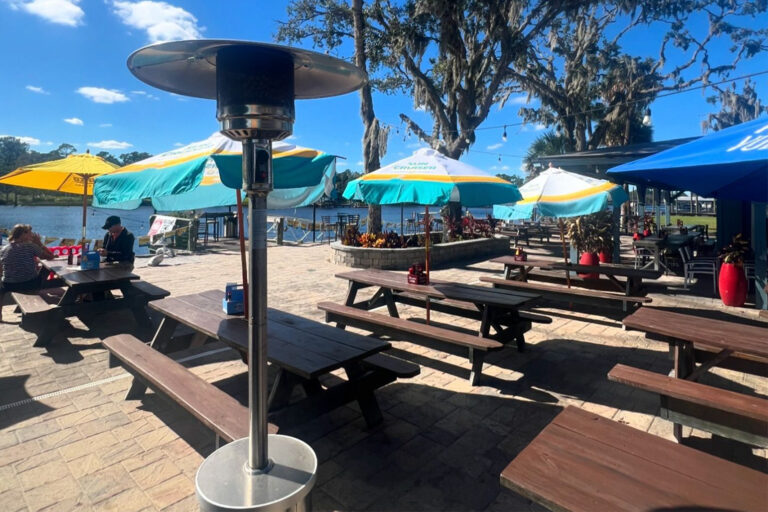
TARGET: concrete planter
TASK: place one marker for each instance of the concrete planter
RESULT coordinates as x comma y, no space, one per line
401,259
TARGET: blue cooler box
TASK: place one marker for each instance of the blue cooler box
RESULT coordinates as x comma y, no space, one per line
232,303
90,261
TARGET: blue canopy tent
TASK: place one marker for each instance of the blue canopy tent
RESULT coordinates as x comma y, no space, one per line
731,164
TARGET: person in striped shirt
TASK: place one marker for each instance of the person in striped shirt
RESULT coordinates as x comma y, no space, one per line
19,259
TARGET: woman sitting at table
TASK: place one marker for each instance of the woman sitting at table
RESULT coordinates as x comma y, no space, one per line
18,260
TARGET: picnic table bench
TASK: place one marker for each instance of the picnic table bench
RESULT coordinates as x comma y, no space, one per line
50,306
495,309
709,342
719,411
302,350
218,411
561,293
584,462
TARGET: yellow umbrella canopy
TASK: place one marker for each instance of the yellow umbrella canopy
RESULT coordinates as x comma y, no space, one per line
73,175
65,175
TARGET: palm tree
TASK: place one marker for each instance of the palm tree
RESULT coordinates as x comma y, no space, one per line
548,143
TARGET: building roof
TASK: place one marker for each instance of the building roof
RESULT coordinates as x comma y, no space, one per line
595,162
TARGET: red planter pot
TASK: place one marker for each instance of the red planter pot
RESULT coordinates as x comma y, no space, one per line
605,257
589,258
732,284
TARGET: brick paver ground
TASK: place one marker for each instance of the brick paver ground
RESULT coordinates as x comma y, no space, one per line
69,440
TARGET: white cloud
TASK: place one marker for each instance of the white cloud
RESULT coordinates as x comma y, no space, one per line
61,12
504,167
110,144
161,21
518,100
26,140
538,127
74,120
145,94
101,95
414,145
105,125
494,146
494,168
178,145
38,90
360,163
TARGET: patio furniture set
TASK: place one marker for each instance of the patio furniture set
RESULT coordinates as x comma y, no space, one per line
580,461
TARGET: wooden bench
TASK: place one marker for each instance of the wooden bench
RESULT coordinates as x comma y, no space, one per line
218,411
459,308
722,412
413,331
568,294
41,307
584,462
151,291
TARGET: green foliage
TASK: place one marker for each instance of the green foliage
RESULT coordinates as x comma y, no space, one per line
735,107
342,179
548,143
513,179
736,251
591,233
133,156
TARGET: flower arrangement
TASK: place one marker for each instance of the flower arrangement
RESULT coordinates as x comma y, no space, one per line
390,240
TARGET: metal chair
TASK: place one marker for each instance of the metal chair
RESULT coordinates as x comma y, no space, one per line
327,227
642,255
698,266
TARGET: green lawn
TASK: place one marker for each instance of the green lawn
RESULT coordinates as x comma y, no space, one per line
692,219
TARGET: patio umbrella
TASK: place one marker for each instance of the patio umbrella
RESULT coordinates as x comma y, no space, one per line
430,178
73,175
558,193
203,174
728,164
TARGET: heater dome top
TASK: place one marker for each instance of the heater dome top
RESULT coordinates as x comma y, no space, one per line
189,68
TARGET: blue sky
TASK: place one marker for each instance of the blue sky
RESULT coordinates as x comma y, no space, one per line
65,80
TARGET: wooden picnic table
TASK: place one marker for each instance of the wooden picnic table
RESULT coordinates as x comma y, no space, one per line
96,282
522,267
631,285
495,308
711,342
303,351
584,462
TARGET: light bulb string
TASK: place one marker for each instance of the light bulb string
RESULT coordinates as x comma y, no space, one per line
624,103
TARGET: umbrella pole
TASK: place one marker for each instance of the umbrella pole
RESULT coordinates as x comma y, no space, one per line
426,248
402,232
85,206
565,253
241,236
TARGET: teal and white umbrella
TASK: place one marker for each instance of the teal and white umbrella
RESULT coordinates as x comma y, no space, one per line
430,178
203,174
559,193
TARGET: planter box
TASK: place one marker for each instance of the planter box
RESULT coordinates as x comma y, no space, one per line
401,259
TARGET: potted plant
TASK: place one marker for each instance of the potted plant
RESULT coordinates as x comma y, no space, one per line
587,235
732,282
649,225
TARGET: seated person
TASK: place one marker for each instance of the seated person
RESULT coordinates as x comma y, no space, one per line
19,259
118,242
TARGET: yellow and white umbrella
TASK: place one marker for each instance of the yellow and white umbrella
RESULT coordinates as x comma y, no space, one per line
73,175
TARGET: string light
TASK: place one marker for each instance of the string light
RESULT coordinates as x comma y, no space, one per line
499,157
504,135
647,117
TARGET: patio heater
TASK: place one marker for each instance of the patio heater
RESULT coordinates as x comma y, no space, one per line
254,85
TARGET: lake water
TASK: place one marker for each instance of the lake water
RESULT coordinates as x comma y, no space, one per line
65,221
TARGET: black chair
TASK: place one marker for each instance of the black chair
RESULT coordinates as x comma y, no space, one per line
327,227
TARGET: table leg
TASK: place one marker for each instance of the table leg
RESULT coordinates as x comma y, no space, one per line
352,288
684,364
390,301
476,360
162,337
369,406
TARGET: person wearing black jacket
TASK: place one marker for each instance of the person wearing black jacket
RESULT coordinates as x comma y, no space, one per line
118,242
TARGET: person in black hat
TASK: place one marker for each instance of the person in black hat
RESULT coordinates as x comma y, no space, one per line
118,242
